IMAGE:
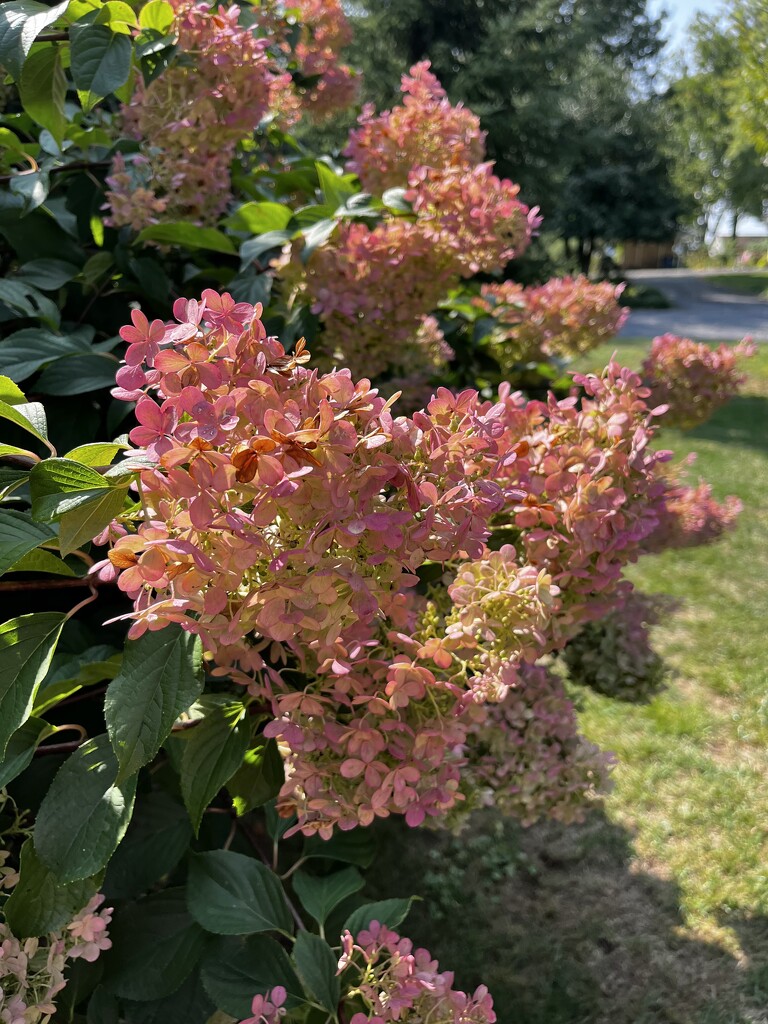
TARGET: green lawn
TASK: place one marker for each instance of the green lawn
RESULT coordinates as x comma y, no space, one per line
744,283
655,911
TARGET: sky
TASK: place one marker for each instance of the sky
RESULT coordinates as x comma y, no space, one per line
681,13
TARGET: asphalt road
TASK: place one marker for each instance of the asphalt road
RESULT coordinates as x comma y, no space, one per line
700,311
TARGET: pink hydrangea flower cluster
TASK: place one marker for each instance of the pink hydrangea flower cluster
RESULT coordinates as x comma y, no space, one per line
561,319
393,982
286,514
693,380
422,359
32,970
191,118
590,485
527,758
614,655
426,130
688,514
325,31
284,519
373,286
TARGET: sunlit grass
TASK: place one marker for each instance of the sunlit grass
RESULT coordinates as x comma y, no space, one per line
744,283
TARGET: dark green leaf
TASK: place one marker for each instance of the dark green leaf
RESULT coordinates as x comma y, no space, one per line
155,946
29,302
78,374
21,748
103,1008
21,22
101,61
260,777
161,676
188,236
43,89
84,814
20,534
317,963
256,247
32,188
40,902
213,751
235,970
48,274
26,648
25,352
189,1004
391,913
315,236
231,894
156,840
355,847
320,894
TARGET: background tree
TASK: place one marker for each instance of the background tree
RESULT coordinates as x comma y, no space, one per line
715,162
526,67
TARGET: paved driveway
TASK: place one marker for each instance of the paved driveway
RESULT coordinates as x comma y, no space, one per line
700,311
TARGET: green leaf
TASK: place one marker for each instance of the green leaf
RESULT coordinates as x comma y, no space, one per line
43,89
161,676
259,218
336,188
26,648
101,61
84,814
213,751
88,667
78,374
256,247
30,417
235,970
157,14
320,894
157,838
103,1008
100,453
21,22
260,777
47,274
188,236
391,913
189,1004
89,519
355,847
317,965
29,302
59,485
20,534
21,748
25,352
230,894
42,561
316,236
40,902
32,187
155,946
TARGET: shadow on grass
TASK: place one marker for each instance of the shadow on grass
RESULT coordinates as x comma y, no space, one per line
564,929
744,422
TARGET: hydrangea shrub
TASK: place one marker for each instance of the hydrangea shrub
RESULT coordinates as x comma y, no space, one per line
336,602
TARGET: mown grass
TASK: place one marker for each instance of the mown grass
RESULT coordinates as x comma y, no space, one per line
743,283
655,911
